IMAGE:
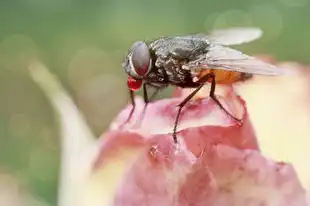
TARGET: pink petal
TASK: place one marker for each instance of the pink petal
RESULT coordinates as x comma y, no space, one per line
217,162
285,136
200,117
221,175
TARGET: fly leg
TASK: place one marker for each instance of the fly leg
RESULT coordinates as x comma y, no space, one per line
145,95
154,94
133,103
183,103
147,100
212,95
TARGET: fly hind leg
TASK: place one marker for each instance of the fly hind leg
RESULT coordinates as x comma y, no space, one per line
181,105
187,99
212,95
190,96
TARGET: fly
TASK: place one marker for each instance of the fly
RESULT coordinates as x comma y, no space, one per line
191,61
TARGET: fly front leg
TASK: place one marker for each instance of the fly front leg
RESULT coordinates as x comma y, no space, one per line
133,103
145,93
147,99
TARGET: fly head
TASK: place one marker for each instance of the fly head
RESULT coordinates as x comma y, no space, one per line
138,64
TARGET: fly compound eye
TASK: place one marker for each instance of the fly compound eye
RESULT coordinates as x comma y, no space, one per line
140,59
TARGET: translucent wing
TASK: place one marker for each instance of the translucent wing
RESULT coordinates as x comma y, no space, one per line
235,36
224,58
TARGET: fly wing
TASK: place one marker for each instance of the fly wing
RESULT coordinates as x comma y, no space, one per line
235,35
224,58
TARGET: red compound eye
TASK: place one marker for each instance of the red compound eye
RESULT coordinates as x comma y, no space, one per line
134,84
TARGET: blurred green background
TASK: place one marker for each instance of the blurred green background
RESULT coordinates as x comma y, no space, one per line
84,42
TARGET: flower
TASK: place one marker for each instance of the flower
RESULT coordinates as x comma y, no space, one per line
216,162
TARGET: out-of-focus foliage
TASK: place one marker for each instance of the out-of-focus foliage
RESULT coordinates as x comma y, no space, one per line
83,42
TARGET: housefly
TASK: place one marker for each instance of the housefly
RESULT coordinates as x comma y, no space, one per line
190,61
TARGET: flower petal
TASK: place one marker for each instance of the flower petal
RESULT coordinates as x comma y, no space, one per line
284,134
149,143
201,115
221,175
216,162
